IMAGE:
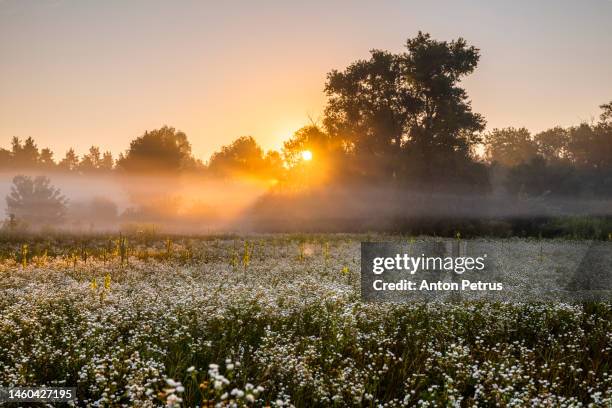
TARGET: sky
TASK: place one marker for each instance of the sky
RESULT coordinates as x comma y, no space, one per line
83,72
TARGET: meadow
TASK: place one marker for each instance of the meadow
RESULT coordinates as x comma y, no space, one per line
275,320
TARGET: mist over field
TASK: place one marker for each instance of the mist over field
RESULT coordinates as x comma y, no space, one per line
176,204
399,148
362,209
191,205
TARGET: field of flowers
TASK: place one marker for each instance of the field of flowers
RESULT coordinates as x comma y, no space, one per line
276,320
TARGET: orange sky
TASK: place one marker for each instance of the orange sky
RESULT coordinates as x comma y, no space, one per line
76,73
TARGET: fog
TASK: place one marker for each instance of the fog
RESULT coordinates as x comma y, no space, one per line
200,205
386,208
175,204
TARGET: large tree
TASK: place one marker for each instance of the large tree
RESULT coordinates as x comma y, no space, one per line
406,111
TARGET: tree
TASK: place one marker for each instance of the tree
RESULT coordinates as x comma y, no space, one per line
24,155
244,157
602,152
5,159
35,201
605,118
46,159
70,162
395,109
91,161
326,163
311,138
107,161
590,146
164,150
604,131
552,144
510,146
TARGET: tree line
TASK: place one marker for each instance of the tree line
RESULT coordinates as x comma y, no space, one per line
401,119
160,151
25,155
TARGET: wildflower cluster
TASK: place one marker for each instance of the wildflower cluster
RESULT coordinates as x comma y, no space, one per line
288,329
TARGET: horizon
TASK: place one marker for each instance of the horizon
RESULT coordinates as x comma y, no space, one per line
69,74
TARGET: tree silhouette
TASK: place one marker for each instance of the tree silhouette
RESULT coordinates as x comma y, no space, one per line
91,161
24,155
403,108
552,144
510,146
5,159
70,161
590,147
107,162
163,150
35,201
244,157
605,118
311,138
45,159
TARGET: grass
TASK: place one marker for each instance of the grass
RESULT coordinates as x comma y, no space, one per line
276,320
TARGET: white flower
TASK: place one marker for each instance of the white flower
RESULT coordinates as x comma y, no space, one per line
172,400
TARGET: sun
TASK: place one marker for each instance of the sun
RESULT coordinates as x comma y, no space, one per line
306,155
